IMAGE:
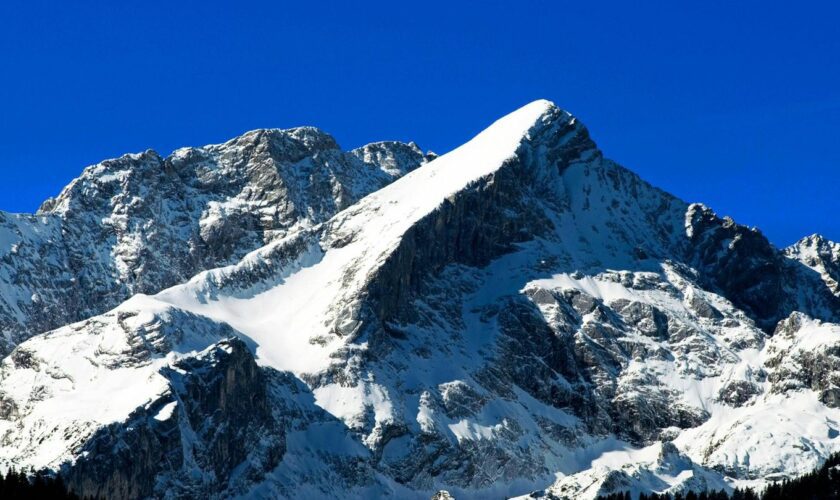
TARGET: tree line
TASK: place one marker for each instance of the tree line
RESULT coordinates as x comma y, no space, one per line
823,483
37,485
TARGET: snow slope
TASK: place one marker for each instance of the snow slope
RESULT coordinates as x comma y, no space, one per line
519,314
283,320
141,223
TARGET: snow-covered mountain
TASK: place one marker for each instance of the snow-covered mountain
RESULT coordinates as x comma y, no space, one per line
142,223
519,314
821,255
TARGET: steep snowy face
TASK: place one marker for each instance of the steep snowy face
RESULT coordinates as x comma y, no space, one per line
36,281
321,302
790,418
142,223
821,255
55,379
518,314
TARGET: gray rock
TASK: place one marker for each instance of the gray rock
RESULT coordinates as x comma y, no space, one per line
754,275
142,223
221,421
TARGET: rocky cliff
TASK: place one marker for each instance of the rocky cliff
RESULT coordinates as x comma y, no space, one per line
520,314
141,223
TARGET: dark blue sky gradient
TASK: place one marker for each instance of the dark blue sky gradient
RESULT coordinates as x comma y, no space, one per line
736,104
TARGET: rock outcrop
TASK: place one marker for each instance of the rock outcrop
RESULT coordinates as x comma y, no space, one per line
821,255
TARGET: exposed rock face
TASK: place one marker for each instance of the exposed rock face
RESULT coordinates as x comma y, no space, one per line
821,255
796,366
518,310
141,223
216,420
394,158
738,392
479,223
753,274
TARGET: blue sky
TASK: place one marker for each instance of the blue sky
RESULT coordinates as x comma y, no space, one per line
736,104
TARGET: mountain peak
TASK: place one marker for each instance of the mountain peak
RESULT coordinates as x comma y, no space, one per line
820,254
515,310
140,223
814,240
309,138
543,104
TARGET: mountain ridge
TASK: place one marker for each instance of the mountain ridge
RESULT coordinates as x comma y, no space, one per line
519,310
141,222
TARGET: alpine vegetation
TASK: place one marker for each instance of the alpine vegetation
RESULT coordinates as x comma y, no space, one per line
274,317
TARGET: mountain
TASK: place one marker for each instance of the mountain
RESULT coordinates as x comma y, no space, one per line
142,223
821,255
520,314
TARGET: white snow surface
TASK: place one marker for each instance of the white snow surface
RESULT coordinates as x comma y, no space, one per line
81,377
284,319
280,321
296,301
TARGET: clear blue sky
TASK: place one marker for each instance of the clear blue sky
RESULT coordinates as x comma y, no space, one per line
736,104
